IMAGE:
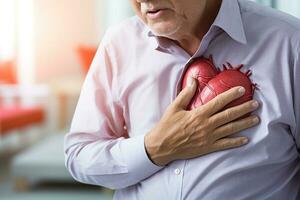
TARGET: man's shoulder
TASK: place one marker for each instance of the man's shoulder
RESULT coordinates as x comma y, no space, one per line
123,32
269,18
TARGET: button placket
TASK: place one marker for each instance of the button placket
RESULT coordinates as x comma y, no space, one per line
177,173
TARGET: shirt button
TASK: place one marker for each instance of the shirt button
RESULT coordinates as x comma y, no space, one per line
177,171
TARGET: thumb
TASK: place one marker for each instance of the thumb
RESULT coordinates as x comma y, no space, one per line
186,95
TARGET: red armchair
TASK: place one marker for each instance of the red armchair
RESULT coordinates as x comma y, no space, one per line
13,115
12,118
86,55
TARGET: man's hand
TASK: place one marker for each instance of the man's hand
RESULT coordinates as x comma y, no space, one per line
182,134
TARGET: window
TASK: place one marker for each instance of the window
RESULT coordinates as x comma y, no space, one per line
291,6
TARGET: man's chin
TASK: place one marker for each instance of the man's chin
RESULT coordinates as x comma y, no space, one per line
164,31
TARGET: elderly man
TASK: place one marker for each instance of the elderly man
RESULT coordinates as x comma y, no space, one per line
132,130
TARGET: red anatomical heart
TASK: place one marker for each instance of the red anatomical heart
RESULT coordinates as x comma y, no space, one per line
212,82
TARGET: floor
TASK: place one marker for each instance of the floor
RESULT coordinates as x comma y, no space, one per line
46,191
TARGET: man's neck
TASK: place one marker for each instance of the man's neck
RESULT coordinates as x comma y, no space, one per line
190,42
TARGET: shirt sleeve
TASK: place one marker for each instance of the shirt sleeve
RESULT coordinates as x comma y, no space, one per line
296,92
97,148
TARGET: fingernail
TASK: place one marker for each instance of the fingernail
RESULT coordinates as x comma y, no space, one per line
241,90
255,104
190,81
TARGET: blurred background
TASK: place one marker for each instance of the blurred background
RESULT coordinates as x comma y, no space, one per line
46,47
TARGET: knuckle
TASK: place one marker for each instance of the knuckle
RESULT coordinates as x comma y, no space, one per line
200,112
250,105
184,91
231,128
244,121
215,134
218,102
193,115
233,143
225,144
179,95
249,122
182,94
228,114
212,122
172,106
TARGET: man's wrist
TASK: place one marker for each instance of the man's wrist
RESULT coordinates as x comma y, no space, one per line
150,150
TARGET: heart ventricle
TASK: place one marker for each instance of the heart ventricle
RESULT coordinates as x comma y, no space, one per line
212,82
203,70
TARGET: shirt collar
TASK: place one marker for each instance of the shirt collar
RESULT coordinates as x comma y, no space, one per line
229,19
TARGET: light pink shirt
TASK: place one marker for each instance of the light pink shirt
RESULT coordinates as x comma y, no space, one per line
136,75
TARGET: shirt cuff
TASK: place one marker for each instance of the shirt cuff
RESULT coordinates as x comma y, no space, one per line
136,157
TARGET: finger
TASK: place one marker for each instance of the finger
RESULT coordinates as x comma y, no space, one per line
235,127
186,95
233,113
228,143
221,100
